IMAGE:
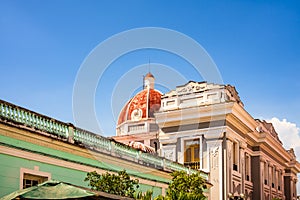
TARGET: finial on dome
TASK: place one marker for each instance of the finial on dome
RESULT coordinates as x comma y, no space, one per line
149,81
149,75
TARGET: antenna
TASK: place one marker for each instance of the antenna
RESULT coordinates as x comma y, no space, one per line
149,66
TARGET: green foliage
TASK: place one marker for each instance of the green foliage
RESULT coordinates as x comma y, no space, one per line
182,187
140,196
185,187
119,184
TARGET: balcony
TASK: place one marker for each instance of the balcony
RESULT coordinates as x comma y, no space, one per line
192,165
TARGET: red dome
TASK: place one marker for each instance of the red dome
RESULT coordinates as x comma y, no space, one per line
140,106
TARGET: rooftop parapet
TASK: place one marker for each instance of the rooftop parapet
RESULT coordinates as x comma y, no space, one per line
194,94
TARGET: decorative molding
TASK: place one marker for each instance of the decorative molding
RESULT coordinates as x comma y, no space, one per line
215,158
70,165
35,171
169,152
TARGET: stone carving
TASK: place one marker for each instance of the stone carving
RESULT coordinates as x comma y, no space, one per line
190,88
169,154
215,158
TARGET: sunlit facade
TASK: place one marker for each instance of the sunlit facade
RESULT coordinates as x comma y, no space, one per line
205,127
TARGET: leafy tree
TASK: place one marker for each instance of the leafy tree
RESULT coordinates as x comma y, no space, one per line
143,196
119,184
185,187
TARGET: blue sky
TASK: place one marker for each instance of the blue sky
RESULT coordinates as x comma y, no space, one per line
255,44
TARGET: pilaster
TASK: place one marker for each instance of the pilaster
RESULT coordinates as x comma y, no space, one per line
216,168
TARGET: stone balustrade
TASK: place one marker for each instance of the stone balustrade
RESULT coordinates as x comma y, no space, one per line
34,120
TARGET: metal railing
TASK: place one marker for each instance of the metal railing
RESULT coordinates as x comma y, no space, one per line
192,165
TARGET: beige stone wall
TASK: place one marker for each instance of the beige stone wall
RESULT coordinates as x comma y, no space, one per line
249,145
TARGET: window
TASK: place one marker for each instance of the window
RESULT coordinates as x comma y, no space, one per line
30,180
188,155
196,153
235,156
247,166
155,144
266,173
279,179
272,176
32,177
191,151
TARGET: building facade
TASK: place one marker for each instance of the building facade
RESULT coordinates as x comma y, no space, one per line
205,127
35,148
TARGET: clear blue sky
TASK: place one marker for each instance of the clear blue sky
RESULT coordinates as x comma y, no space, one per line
255,44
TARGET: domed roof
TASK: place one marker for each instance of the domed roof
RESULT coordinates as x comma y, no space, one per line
141,106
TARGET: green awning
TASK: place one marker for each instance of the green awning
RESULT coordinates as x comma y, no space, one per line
51,190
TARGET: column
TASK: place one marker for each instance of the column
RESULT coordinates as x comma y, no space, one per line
229,166
201,152
242,169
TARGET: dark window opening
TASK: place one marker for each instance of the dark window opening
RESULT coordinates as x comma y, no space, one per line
30,180
235,167
247,177
155,146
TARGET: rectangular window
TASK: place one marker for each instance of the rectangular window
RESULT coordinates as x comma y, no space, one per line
273,176
247,166
266,173
155,144
196,153
279,179
191,153
235,152
188,155
30,180
270,175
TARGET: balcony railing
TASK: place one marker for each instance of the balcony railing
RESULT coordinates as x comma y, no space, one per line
67,132
192,165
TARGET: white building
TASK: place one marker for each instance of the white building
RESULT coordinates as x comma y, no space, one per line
206,127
